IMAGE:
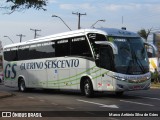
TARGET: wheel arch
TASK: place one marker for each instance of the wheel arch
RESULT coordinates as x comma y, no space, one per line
82,80
19,78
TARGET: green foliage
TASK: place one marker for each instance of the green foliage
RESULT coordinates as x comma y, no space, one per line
26,4
144,33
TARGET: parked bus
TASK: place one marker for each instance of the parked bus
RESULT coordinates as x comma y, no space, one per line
153,60
1,63
88,60
1,69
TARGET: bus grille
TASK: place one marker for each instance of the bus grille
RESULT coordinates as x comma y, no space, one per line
138,80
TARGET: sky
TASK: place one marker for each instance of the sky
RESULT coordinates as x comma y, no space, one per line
137,14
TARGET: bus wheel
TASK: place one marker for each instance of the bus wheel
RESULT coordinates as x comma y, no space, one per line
21,85
119,93
88,88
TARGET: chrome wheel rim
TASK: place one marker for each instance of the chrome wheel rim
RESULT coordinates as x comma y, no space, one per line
86,88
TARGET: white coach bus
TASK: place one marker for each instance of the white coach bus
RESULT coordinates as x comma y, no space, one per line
88,60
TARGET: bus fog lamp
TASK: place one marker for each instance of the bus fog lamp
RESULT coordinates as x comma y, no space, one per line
120,86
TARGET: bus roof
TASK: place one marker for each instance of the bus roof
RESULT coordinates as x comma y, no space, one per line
105,31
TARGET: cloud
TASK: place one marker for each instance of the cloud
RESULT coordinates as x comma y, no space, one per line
154,7
76,6
117,7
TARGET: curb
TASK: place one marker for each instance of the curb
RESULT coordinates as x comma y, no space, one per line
155,87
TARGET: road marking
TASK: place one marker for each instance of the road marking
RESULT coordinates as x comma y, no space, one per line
70,108
101,105
112,119
149,98
136,103
42,100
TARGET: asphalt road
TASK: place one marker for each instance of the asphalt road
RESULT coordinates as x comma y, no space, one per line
73,102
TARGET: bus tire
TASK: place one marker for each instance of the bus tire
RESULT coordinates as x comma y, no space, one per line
88,88
21,85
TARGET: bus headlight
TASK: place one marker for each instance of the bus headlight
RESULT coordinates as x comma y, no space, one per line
120,78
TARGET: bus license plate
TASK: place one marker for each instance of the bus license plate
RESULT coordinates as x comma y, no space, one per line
136,87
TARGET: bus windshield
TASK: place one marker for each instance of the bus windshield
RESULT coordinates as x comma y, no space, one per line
132,57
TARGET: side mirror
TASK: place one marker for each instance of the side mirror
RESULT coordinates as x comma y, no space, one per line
154,48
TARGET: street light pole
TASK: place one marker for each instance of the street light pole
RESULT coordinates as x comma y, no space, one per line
62,21
9,38
96,23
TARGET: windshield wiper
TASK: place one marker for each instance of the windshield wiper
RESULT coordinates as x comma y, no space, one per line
138,62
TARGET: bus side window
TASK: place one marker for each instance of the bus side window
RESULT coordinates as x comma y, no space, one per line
62,48
95,37
80,47
10,55
23,53
42,50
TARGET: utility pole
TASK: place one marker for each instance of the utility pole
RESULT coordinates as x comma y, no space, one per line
79,16
35,32
21,35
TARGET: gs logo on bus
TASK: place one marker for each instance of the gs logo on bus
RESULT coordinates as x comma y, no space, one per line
10,71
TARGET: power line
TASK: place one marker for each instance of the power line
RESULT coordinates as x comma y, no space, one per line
79,17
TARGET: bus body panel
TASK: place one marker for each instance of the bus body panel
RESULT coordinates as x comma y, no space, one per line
107,80
132,82
46,76
66,72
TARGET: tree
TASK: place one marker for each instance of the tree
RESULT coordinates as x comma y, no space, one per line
17,5
144,33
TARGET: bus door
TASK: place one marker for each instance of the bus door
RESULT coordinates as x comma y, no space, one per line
106,63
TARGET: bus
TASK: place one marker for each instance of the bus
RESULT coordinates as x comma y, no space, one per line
153,60
89,60
1,68
1,63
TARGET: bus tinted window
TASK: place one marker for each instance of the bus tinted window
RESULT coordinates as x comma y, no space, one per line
95,37
62,48
42,51
80,47
10,55
23,53
77,46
